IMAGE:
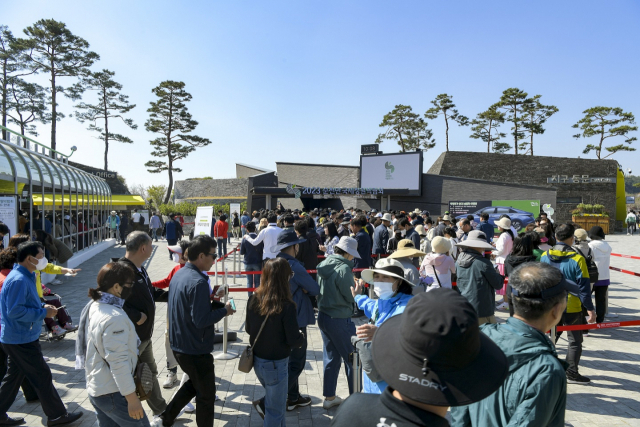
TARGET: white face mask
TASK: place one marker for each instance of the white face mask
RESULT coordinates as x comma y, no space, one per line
42,263
384,290
403,233
176,258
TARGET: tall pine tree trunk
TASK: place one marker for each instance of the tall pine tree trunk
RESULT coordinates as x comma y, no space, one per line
54,111
4,98
447,130
106,128
515,127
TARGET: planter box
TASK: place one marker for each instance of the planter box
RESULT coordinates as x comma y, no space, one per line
587,222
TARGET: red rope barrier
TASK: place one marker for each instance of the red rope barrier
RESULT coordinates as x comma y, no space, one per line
624,271
598,326
626,256
231,273
243,289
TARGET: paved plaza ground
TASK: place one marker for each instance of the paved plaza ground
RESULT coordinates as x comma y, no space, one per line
611,357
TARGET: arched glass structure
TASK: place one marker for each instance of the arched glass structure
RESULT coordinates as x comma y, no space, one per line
38,192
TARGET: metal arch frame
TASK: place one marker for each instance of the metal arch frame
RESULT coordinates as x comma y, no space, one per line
76,175
55,168
13,168
42,184
85,202
97,190
31,192
64,171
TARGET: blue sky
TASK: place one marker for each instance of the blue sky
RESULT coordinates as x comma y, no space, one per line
309,81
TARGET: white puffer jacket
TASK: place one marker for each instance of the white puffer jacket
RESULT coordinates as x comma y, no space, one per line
112,351
602,257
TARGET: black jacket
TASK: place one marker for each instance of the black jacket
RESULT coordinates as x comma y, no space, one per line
308,252
142,300
370,410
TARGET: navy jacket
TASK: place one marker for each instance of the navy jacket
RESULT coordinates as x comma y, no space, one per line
364,250
300,282
487,229
414,237
252,254
380,239
191,319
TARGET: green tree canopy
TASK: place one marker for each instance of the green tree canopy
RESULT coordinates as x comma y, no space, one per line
26,105
51,48
407,128
170,118
112,104
513,103
535,115
485,128
604,123
444,106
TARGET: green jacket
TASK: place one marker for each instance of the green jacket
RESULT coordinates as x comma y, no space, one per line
478,281
336,280
535,391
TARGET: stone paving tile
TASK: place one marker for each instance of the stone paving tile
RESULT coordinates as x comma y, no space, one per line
611,357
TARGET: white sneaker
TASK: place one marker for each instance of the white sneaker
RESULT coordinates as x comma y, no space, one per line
503,306
628,234
46,359
172,378
156,422
328,404
611,316
189,408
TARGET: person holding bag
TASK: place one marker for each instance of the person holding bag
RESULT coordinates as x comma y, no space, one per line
439,265
272,325
107,349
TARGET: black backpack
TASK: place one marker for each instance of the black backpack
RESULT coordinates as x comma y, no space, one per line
591,267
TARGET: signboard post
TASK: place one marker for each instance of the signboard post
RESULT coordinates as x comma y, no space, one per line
202,226
631,200
521,212
9,216
234,207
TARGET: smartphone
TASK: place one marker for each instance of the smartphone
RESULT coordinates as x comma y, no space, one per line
233,304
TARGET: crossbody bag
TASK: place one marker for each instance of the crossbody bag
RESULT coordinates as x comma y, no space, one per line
245,364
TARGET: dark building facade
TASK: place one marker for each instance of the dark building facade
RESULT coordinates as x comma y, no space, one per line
576,180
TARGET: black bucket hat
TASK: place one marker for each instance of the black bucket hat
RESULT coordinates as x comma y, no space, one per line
286,238
434,352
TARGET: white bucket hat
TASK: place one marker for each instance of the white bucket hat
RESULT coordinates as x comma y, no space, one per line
440,245
386,217
349,245
388,267
476,239
447,218
504,223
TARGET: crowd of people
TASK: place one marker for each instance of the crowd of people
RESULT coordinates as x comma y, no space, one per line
426,285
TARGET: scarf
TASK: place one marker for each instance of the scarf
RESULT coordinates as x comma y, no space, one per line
81,338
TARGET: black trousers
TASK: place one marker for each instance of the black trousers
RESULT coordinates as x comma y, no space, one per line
297,360
601,302
201,384
28,391
574,349
171,242
25,361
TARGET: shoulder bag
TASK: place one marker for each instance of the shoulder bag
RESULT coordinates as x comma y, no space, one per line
142,378
245,364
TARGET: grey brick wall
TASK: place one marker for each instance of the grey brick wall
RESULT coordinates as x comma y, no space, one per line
245,171
534,170
214,190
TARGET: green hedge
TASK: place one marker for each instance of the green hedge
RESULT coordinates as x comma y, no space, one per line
189,209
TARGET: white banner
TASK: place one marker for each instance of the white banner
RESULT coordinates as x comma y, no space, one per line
202,225
234,207
391,171
9,216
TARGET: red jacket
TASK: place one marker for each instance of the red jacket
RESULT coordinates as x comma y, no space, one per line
164,283
220,229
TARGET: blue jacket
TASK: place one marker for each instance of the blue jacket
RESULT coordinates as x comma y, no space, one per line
487,229
413,235
380,239
191,318
380,310
534,393
171,230
364,250
244,220
252,254
21,311
300,282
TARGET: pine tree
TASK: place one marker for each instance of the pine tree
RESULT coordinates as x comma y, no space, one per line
26,104
513,102
407,128
604,123
485,127
443,105
535,115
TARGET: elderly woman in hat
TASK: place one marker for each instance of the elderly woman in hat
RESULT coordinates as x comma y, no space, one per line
335,307
439,264
393,292
504,246
404,254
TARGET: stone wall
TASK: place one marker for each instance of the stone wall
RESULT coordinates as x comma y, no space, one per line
534,170
217,191
245,171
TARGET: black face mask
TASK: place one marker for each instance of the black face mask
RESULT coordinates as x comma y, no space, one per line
126,292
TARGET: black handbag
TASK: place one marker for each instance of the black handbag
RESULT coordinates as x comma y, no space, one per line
592,268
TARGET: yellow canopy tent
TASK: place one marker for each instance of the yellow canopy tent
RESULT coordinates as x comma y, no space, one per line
70,199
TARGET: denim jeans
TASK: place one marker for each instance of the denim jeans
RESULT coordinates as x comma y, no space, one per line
222,247
156,402
253,280
336,348
113,411
273,375
154,234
